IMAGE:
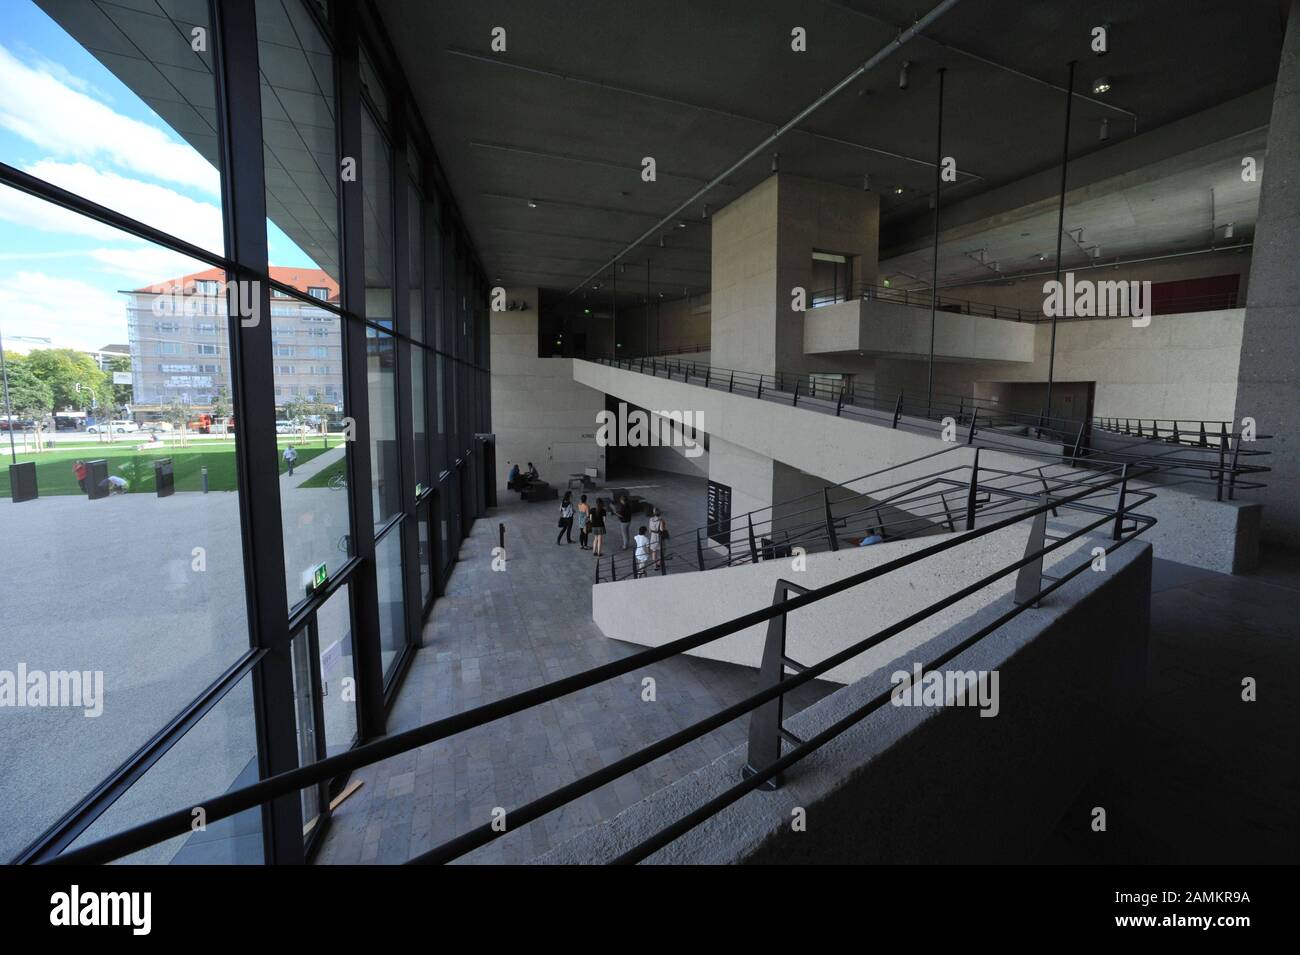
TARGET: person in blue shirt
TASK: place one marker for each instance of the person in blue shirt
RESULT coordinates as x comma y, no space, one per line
514,474
873,537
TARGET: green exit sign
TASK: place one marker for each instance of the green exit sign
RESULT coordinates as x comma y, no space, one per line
315,578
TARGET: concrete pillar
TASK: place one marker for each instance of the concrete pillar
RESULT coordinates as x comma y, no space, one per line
762,249
1268,386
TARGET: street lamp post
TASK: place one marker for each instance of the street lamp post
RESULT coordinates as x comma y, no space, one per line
9,415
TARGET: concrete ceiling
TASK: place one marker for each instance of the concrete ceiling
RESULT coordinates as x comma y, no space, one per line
585,89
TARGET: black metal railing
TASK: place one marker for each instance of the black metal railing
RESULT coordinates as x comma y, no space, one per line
1173,456
946,499
1112,499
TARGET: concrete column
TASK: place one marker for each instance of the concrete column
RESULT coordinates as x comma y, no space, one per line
763,244
1268,386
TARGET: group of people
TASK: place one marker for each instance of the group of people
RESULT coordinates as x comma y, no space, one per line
516,477
591,523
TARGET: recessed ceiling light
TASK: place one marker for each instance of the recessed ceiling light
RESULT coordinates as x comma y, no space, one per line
1101,85
898,190
681,225
532,204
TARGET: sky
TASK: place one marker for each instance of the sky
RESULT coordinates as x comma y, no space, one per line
66,118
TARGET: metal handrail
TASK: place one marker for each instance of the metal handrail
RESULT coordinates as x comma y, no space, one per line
982,422
815,523
291,782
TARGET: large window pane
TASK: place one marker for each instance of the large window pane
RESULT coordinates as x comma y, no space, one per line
307,344
392,619
299,148
141,595
218,754
385,467
116,103
337,671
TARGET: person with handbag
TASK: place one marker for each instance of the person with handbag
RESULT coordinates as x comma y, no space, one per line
566,519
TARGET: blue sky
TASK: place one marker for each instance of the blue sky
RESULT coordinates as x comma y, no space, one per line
68,119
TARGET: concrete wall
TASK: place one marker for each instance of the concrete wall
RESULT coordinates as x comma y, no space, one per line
539,413
656,610
932,784
1269,379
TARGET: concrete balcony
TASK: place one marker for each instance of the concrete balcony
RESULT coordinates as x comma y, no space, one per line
894,330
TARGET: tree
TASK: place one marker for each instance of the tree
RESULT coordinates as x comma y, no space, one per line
29,397
74,379
221,408
177,414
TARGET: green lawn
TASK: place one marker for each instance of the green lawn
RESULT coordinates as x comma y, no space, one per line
54,468
322,478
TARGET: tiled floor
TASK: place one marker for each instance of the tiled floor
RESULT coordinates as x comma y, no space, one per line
497,633
1204,777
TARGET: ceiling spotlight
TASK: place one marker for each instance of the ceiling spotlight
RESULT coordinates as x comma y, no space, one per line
1103,133
661,242
681,225
866,183
776,161
1101,85
898,190
1228,231
903,78
705,213
1096,251
532,204
1041,257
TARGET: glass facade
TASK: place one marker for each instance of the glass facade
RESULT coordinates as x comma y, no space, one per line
264,455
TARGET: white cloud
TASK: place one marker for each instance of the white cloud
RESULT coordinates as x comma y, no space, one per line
144,265
70,312
47,110
163,208
33,213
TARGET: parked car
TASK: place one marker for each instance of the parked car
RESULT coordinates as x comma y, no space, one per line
284,427
161,426
116,427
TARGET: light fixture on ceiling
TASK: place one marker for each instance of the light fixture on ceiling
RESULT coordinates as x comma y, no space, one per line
776,161
903,77
1041,257
661,242
1228,231
1101,85
866,183
1095,251
532,204
705,213
898,190
681,225
1103,133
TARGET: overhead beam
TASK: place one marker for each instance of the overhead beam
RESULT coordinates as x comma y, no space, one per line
887,50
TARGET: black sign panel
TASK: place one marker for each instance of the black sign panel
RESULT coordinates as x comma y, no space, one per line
719,513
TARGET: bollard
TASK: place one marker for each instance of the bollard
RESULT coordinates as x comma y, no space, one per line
203,473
